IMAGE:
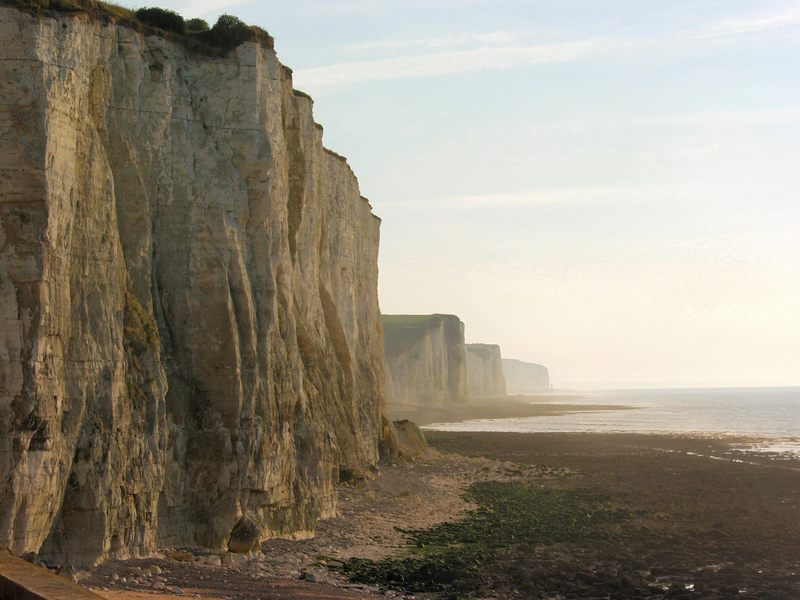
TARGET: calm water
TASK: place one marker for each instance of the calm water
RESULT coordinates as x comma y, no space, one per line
772,413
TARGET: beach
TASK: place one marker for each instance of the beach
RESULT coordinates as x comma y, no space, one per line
510,407
705,521
503,507
692,518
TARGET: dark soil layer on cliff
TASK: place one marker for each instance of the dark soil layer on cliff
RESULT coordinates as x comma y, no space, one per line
678,518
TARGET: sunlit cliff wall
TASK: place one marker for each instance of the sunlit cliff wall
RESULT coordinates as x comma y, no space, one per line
188,292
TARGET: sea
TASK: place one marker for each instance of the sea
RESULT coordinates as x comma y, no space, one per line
771,416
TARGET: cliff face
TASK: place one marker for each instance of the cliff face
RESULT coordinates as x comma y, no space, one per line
522,377
188,293
425,359
485,371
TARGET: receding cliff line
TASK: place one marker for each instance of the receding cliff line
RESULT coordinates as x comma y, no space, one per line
523,377
485,371
425,359
188,293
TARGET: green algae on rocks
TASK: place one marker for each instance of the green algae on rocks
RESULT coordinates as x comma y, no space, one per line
461,557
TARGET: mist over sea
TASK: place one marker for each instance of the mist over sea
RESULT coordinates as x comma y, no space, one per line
771,413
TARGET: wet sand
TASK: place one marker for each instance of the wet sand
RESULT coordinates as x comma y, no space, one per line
510,407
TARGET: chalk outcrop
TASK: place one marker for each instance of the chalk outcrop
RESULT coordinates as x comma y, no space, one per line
425,359
523,377
485,371
411,440
189,333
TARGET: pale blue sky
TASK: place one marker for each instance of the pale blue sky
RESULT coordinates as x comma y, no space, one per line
608,188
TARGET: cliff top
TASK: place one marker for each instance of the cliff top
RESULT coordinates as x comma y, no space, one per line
483,346
414,320
195,34
400,331
522,362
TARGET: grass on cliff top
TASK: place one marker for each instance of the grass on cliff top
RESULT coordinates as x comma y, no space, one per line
407,319
459,558
228,33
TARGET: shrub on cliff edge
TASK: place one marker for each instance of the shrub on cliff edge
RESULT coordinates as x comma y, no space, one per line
194,34
196,26
162,18
229,31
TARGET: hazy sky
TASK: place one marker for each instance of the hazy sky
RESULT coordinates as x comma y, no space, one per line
608,188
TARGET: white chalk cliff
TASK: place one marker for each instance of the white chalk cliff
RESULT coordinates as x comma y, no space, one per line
485,371
425,359
524,377
188,291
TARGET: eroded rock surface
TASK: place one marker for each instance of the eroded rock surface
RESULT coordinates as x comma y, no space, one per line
188,292
523,377
485,371
425,359
245,535
411,439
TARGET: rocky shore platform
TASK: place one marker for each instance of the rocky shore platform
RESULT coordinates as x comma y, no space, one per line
502,515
